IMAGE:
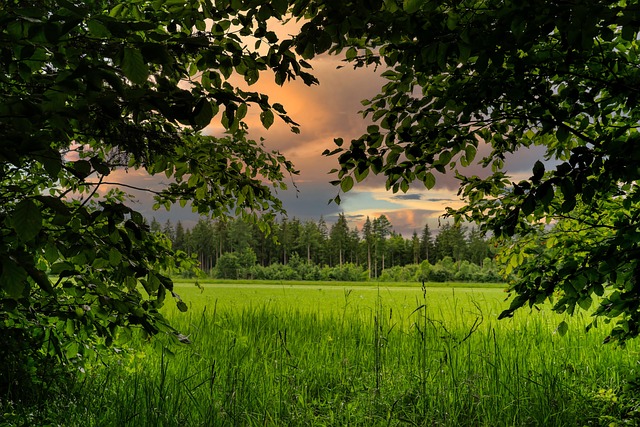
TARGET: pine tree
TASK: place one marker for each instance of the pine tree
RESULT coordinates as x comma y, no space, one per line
179,239
426,245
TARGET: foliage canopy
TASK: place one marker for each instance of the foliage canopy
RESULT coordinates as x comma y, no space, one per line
89,89
481,79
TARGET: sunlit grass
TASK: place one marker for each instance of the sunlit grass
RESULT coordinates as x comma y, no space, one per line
293,354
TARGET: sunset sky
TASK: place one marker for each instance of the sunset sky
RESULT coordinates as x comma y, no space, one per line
324,112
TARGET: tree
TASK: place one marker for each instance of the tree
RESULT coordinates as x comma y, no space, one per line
220,230
239,235
169,231
415,247
478,248
368,240
381,230
324,239
339,238
203,244
285,240
155,226
502,77
180,240
426,245
397,249
353,243
450,242
87,88
310,237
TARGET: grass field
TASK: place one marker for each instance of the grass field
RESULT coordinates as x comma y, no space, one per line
300,354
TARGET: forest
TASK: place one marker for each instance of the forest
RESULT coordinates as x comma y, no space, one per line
317,250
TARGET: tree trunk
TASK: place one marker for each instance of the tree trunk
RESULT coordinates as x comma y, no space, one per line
369,259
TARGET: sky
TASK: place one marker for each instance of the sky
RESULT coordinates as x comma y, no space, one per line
324,112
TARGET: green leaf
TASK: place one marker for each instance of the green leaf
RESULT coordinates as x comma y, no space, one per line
569,204
13,279
429,180
115,257
629,32
203,113
352,52
81,168
61,267
53,165
361,174
266,117
346,184
280,6
134,67
598,289
69,328
116,10
465,52
470,153
452,22
241,112
71,350
545,193
585,302
97,29
445,158
563,133
27,220
562,328
412,6
182,306
51,253
538,170
101,167
152,284
528,204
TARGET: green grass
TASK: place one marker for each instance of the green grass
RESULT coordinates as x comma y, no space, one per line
358,355
329,298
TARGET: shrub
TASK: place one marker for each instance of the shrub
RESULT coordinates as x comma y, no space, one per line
423,271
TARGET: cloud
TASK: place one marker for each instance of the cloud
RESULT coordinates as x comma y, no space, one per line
324,112
355,217
407,212
407,196
310,201
406,222
434,199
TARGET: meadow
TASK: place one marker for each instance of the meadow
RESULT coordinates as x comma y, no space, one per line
324,354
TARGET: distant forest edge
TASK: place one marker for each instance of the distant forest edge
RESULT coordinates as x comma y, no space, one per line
311,250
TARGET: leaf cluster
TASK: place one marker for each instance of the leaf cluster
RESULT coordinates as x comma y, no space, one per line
470,82
91,88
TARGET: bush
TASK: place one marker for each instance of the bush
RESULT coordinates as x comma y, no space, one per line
227,266
467,272
408,273
242,266
423,271
440,273
347,272
235,265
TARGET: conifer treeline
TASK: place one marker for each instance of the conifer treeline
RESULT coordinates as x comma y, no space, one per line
375,248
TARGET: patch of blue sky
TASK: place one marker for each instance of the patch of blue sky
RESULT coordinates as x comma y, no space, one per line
355,201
